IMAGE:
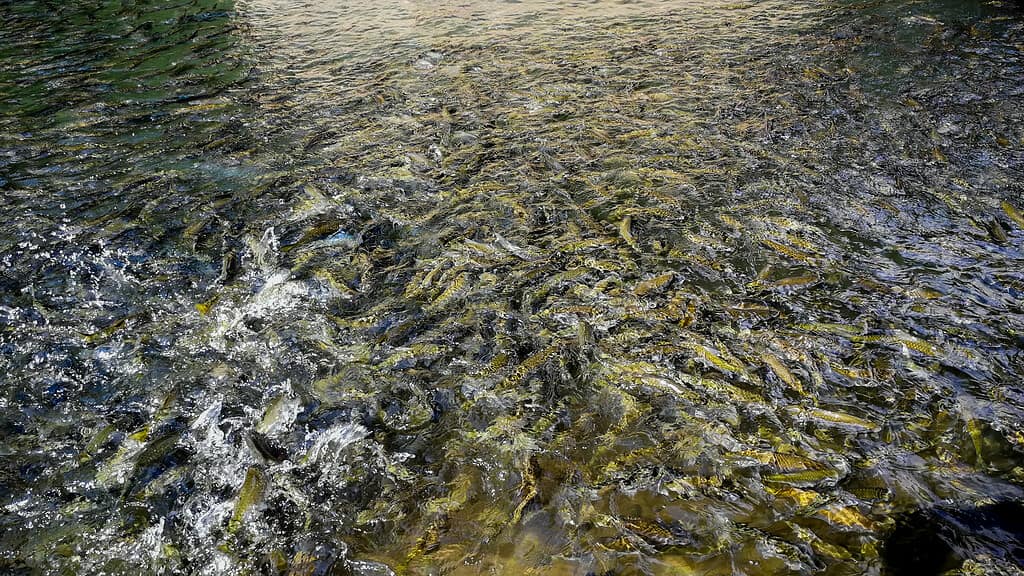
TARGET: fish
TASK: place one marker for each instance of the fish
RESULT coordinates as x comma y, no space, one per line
841,419
583,245
788,251
910,342
428,542
204,307
626,232
996,231
783,373
786,462
802,498
846,516
713,358
575,310
621,543
412,355
869,492
730,221
529,365
851,373
803,478
654,284
742,308
651,315
819,545
451,292
1013,213
303,564
108,331
717,386
251,493
497,363
794,281
279,413
97,442
917,345
527,490
639,374
652,532
422,282
974,431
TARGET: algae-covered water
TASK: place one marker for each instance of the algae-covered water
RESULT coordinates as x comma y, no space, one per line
494,287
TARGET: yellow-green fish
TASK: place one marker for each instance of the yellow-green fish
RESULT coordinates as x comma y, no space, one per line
841,419
714,359
782,372
654,284
802,477
252,491
1013,213
626,232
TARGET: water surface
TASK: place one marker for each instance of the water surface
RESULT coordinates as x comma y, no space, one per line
508,287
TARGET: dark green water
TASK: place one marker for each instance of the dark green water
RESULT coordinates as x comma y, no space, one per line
511,287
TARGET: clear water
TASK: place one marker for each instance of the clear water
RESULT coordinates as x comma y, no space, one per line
507,287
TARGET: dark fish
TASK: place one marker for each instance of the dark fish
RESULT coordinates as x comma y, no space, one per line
938,540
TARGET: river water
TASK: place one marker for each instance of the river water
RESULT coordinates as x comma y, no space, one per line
534,287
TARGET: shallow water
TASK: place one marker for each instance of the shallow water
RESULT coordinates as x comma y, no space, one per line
508,287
